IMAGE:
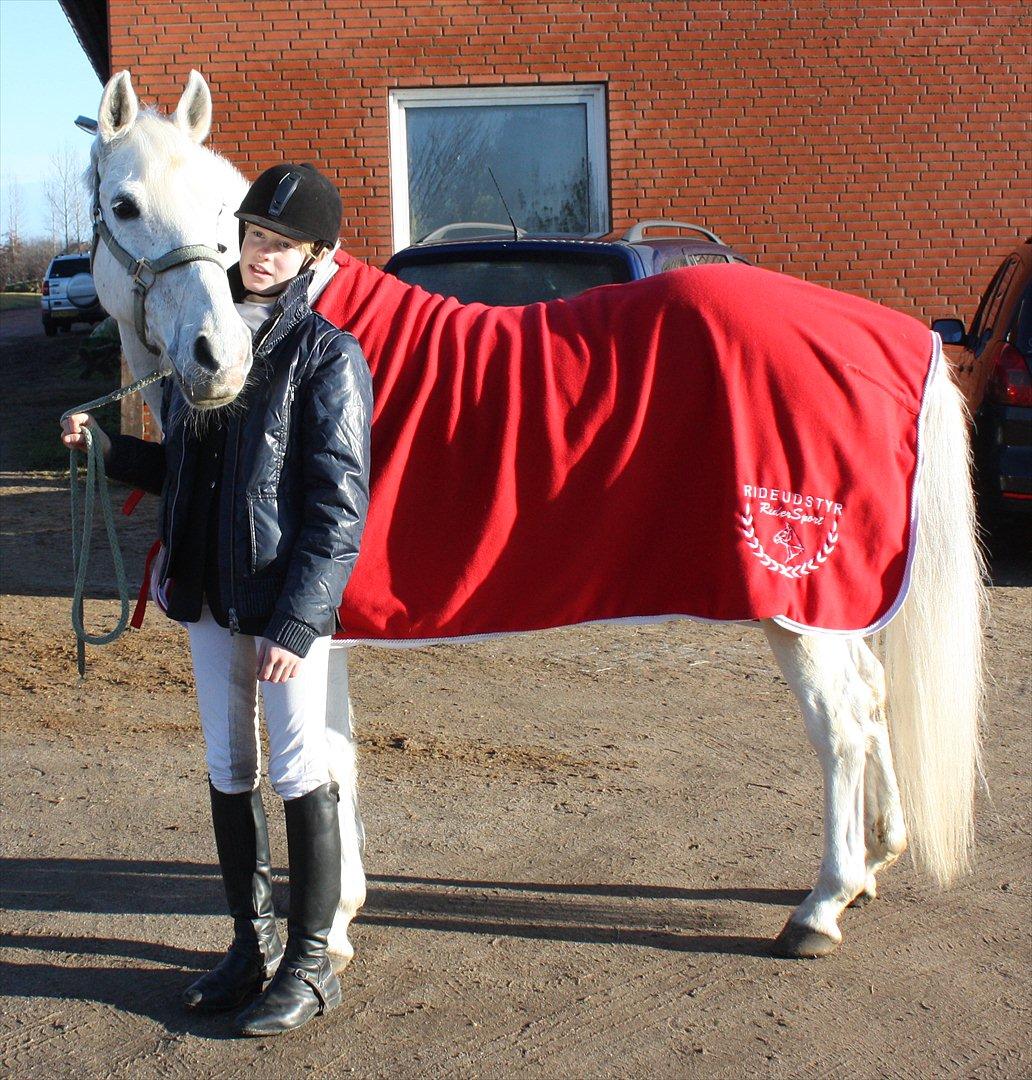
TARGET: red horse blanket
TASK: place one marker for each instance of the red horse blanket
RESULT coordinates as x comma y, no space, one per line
720,442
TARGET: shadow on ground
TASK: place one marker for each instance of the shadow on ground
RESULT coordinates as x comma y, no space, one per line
661,917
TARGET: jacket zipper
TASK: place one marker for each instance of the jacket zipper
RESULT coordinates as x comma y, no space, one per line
234,622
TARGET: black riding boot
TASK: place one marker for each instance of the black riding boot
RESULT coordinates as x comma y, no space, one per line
242,840
305,985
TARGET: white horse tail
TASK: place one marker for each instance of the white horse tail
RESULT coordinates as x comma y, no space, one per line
934,647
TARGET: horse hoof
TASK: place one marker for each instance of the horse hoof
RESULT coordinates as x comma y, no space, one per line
798,942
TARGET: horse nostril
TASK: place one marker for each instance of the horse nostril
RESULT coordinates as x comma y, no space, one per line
203,354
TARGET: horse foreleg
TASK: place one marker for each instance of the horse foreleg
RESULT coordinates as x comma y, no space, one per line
884,829
343,769
833,697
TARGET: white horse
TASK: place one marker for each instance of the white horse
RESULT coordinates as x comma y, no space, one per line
921,707
160,192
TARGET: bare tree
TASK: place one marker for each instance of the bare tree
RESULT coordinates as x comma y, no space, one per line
18,257
12,212
66,198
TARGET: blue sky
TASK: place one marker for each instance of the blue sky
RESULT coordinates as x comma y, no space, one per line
45,83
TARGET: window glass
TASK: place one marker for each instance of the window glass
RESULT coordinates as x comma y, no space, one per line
538,154
544,145
985,319
519,278
1021,334
65,268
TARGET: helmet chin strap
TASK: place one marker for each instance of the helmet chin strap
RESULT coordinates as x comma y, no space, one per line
271,291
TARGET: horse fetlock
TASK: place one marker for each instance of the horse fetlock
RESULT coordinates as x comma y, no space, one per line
868,893
886,840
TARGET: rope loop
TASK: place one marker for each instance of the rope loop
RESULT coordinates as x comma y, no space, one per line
95,485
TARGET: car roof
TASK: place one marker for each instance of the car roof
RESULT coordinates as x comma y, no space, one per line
470,236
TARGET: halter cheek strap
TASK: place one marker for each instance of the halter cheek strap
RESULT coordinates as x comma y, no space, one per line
144,272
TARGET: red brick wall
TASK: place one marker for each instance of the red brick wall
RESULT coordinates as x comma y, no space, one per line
880,148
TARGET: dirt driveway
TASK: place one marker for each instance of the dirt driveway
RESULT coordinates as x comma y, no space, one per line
579,846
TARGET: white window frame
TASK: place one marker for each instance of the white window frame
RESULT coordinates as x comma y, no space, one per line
592,95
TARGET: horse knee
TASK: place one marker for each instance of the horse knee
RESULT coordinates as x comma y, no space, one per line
837,737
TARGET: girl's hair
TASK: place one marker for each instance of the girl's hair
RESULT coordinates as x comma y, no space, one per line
311,249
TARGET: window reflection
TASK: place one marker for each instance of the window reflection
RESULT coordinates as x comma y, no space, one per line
538,153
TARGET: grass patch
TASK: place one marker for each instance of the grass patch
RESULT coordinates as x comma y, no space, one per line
15,301
44,378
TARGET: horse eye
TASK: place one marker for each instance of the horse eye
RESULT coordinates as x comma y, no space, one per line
125,209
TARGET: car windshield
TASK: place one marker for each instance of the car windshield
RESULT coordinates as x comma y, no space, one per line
511,278
63,268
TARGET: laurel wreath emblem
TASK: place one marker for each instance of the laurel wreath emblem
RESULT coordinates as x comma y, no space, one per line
772,564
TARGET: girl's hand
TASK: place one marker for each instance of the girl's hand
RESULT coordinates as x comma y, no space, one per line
276,664
72,433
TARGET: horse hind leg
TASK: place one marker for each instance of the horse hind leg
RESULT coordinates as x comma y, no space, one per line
833,698
343,768
885,834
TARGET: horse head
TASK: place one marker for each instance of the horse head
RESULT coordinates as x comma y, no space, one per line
164,233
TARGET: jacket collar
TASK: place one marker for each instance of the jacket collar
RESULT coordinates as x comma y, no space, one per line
290,306
298,287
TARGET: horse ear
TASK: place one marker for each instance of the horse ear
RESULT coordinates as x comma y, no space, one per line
118,107
193,113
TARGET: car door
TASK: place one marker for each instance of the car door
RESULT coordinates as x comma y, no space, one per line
974,365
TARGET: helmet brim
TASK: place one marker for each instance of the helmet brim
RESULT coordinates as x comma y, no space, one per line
279,228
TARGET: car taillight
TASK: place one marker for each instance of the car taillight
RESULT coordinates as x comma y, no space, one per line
46,288
1011,380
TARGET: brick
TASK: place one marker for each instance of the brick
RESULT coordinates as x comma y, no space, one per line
817,138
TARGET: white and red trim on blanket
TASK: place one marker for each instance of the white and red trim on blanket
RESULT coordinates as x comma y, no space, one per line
720,442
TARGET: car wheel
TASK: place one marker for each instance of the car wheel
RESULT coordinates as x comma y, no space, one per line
49,328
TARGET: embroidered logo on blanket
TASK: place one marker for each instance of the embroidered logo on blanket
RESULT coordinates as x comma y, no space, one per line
803,525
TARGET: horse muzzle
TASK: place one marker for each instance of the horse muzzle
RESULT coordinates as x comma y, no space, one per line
211,376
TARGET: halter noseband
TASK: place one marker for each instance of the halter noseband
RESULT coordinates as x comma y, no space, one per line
144,272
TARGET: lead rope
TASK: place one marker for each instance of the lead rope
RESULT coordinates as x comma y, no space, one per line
95,483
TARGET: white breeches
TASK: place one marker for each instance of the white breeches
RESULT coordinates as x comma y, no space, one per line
225,668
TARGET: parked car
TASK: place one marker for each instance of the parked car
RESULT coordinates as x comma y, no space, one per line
485,262
994,368
69,295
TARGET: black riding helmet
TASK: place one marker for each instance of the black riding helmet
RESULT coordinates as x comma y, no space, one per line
295,201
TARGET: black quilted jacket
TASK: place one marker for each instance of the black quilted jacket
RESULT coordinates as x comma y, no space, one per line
292,484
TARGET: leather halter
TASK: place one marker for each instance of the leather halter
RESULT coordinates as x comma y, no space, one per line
144,272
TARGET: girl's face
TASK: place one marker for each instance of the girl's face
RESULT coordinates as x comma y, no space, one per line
268,259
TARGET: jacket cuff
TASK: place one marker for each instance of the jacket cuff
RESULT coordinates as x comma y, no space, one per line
290,633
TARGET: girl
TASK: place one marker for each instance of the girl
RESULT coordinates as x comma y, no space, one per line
263,507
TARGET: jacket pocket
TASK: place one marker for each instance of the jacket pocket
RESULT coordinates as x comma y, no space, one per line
265,533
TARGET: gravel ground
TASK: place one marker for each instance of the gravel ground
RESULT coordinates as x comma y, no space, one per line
579,846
